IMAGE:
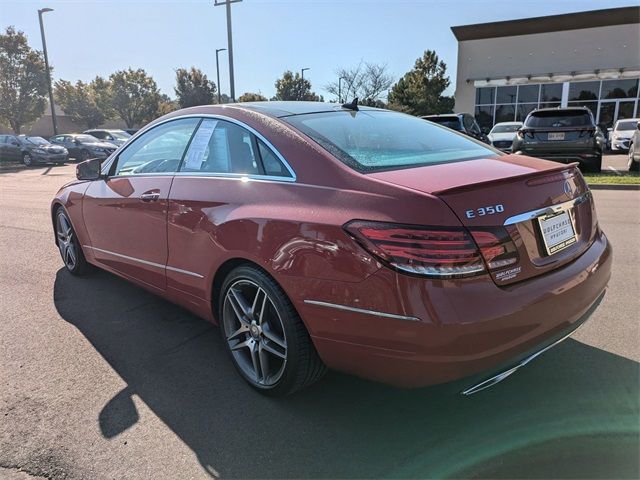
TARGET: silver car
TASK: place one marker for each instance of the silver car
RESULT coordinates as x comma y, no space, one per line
117,137
634,150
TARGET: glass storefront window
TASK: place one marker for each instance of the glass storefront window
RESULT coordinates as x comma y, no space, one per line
523,110
593,106
619,88
584,90
506,94
484,117
528,93
551,92
485,95
505,113
550,105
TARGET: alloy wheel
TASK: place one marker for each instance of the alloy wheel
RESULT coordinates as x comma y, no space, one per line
26,159
255,333
66,241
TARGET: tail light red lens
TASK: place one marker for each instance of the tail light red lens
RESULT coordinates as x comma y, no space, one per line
437,252
496,246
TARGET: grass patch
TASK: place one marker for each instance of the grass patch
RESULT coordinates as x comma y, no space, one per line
612,177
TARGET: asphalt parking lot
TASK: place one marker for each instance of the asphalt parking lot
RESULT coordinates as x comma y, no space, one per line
99,379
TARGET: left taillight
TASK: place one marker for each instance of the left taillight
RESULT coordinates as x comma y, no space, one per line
436,252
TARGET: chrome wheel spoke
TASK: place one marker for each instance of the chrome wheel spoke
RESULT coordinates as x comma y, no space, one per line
264,362
255,360
246,344
71,255
243,329
266,347
273,337
237,306
259,302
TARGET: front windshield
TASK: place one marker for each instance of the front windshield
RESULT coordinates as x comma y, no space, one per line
87,139
449,122
506,128
36,140
119,134
627,126
374,140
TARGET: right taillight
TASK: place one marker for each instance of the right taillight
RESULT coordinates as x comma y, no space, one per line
437,252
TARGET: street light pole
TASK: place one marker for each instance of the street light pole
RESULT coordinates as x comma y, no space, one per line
340,89
302,71
232,87
46,64
218,50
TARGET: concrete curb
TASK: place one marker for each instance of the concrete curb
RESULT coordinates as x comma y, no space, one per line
614,186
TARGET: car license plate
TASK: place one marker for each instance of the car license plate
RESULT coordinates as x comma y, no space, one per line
556,136
557,231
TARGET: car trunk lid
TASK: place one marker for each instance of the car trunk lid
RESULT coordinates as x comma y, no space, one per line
515,198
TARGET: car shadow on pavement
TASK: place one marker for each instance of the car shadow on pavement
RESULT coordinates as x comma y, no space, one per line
572,414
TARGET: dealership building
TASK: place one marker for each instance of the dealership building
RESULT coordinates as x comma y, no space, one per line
592,59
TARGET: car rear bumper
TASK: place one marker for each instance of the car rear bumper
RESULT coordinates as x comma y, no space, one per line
412,332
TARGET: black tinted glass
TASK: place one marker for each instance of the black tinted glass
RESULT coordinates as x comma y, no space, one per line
619,88
551,92
485,95
506,94
528,93
584,90
505,113
560,118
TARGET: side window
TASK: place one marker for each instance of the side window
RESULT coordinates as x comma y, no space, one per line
272,164
159,150
3,139
221,147
100,135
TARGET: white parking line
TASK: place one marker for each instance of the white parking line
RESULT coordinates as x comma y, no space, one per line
614,170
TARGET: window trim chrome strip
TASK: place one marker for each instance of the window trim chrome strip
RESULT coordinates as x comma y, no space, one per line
145,262
523,217
109,161
361,310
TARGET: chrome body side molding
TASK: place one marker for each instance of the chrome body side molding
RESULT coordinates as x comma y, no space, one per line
361,310
145,262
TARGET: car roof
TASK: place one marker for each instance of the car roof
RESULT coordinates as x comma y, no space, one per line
508,123
560,109
627,120
443,115
277,109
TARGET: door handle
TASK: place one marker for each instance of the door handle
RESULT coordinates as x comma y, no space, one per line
150,196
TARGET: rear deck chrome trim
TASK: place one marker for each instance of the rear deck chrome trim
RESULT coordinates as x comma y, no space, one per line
361,310
145,262
523,217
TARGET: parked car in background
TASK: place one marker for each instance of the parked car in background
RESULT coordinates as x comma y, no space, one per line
460,122
562,134
31,150
634,150
131,131
117,137
502,134
369,241
621,133
83,147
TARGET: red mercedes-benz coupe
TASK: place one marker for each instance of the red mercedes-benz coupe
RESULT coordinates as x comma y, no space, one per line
321,235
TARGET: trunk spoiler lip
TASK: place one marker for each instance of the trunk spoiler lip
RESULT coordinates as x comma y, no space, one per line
460,188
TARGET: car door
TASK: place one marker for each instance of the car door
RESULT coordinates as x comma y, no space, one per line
213,184
125,214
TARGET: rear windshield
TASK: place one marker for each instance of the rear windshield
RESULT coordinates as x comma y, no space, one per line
449,122
370,141
559,118
631,125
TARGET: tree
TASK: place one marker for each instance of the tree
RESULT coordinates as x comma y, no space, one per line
419,91
23,81
193,88
134,96
251,97
166,105
368,82
294,87
79,101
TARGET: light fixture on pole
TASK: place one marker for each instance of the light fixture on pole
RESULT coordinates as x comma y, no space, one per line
232,86
46,65
302,71
218,50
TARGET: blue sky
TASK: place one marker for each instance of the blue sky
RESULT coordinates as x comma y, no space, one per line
95,37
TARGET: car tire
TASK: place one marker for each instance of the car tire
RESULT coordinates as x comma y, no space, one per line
264,335
633,165
27,159
68,245
595,167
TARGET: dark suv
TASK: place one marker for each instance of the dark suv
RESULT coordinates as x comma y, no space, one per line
563,135
460,122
